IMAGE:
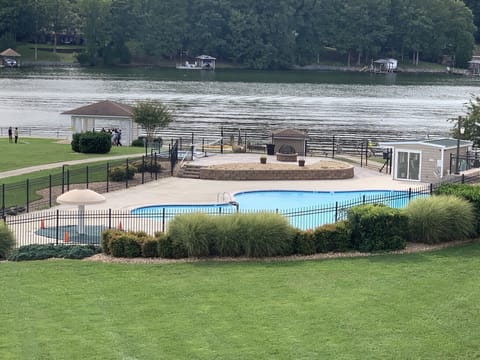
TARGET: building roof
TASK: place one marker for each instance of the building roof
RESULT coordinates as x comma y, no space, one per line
103,108
445,143
290,133
9,53
205,57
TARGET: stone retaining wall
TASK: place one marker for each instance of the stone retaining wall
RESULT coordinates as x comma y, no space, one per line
302,173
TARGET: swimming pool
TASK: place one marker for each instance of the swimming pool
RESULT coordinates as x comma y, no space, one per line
304,209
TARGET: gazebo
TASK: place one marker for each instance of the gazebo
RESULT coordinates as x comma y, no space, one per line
105,115
10,58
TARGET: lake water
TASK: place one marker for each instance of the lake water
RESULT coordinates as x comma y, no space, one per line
382,107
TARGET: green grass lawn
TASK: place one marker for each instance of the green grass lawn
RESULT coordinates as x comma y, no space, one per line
417,306
32,151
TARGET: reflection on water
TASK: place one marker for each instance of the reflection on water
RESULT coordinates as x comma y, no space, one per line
382,106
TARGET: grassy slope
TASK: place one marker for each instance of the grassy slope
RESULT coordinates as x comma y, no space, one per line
31,152
390,306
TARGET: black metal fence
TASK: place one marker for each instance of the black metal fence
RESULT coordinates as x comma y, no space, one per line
71,227
40,193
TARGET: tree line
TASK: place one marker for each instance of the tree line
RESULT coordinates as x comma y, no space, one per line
267,34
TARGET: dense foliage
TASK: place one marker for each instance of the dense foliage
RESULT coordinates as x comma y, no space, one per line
40,252
7,241
441,218
91,142
257,34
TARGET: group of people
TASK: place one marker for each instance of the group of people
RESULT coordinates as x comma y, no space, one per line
12,133
116,136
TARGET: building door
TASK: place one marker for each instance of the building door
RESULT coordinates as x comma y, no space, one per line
408,165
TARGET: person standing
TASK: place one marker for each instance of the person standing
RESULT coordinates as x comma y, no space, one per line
10,135
16,135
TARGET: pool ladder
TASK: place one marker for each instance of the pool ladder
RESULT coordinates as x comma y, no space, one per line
226,197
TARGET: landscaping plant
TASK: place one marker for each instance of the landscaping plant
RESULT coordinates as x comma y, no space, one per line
440,218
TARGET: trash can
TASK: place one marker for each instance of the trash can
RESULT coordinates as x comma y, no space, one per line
270,149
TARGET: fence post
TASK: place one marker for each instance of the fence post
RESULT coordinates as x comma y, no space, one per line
126,174
221,140
28,194
463,178
109,218
156,166
409,194
63,178
50,190
336,211
366,152
68,179
57,235
333,146
3,199
361,154
163,219
431,188
143,169
108,175
86,175
450,165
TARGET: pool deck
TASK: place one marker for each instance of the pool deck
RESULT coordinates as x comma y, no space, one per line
173,190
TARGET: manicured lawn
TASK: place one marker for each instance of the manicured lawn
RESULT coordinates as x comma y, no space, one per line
418,306
32,151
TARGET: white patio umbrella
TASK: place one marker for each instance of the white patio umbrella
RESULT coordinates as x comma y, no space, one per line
81,197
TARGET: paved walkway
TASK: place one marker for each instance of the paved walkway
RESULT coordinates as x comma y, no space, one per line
174,190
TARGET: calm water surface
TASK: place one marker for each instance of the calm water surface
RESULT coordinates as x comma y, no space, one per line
325,103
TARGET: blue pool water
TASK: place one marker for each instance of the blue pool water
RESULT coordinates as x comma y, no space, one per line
304,209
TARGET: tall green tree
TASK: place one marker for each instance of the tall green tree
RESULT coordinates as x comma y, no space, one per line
94,18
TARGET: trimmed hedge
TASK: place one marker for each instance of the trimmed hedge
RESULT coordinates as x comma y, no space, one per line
149,165
333,237
376,227
91,142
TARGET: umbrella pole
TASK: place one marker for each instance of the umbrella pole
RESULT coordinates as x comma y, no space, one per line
81,219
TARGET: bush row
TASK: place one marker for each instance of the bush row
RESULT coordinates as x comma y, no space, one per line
121,173
368,228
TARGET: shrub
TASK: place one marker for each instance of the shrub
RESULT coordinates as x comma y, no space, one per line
333,237
150,248
107,236
40,252
467,192
377,227
95,142
121,173
304,242
76,142
149,164
7,241
138,143
439,219
168,249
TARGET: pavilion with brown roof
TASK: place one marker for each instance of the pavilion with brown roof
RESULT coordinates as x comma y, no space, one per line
105,115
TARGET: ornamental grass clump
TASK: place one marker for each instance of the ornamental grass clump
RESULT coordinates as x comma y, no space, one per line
253,235
7,241
441,218
195,231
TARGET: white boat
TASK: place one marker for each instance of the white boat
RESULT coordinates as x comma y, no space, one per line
202,62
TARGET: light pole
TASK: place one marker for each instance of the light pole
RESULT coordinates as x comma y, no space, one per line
461,131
